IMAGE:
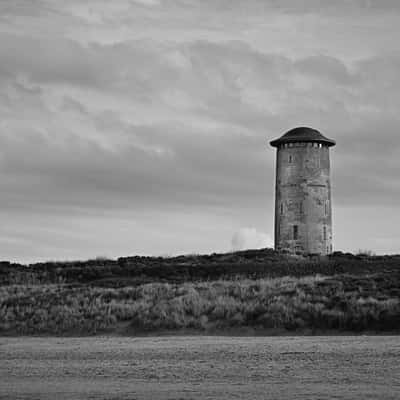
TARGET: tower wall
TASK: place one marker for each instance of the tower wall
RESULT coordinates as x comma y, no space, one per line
303,210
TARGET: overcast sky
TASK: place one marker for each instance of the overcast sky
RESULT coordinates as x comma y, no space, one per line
142,127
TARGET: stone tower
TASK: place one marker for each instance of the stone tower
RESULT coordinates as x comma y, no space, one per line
303,208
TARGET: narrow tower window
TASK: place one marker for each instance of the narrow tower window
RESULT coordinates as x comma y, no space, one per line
301,207
290,159
326,208
295,232
324,232
281,208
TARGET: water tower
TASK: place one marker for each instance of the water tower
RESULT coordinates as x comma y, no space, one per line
303,207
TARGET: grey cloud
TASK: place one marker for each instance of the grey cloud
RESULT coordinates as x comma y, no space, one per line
298,6
325,67
70,104
29,8
211,68
52,60
124,67
83,174
235,161
215,75
212,108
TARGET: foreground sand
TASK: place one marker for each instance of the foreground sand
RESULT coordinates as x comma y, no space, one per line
199,367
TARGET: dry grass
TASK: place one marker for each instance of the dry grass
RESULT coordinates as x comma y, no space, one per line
323,303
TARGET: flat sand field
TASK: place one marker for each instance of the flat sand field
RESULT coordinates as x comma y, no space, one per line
200,367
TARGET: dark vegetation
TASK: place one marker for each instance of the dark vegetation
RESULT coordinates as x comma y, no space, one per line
256,289
252,264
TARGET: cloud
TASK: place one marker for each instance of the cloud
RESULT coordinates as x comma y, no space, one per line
250,238
120,106
210,113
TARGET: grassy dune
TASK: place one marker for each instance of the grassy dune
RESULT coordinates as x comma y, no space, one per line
259,290
344,303
249,264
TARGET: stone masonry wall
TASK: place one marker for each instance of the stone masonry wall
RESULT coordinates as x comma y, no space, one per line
303,210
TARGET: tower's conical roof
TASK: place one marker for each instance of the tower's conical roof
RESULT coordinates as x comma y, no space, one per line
302,134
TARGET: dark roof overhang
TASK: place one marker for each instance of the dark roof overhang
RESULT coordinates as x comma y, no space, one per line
302,134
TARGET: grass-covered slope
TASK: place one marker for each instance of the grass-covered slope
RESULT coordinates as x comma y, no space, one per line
252,264
259,290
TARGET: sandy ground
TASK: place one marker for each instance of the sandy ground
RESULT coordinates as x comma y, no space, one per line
200,367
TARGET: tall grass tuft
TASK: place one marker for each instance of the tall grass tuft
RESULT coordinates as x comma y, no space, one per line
347,303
